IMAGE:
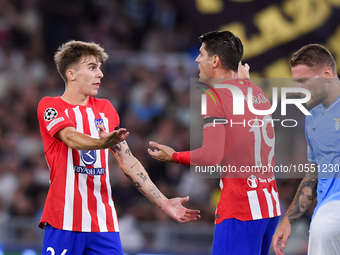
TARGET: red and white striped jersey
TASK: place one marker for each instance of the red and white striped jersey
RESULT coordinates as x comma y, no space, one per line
246,145
79,197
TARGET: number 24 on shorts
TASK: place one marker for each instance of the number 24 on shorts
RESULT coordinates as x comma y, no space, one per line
53,252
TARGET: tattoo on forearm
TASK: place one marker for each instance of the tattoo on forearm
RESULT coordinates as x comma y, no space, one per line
134,165
141,175
136,184
116,148
127,151
155,191
304,197
293,217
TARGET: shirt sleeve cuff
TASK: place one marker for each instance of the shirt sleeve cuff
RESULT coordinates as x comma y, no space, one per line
175,157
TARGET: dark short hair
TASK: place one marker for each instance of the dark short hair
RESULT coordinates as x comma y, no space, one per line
71,52
227,46
315,56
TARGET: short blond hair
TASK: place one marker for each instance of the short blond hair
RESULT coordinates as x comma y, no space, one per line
71,52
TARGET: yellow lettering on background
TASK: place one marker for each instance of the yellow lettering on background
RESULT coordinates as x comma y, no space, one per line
279,69
276,29
307,14
335,2
209,6
333,47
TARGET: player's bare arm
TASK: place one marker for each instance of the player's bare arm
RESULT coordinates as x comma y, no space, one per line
295,211
80,141
136,173
161,152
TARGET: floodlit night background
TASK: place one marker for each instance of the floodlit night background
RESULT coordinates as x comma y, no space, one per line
152,46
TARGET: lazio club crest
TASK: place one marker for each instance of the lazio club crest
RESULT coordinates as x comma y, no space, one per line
337,123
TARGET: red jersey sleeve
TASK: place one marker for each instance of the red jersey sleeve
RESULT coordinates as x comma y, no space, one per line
52,117
113,114
212,150
182,157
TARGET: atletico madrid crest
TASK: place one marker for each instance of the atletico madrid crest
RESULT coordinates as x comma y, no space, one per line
98,122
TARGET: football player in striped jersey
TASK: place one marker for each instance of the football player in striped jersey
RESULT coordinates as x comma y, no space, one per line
78,130
248,210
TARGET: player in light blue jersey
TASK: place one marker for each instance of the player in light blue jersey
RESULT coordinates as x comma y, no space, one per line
313,68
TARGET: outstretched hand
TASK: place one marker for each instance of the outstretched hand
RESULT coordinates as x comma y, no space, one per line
178,212
281,236
112,138
161,152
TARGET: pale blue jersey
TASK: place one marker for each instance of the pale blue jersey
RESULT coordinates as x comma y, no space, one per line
323,139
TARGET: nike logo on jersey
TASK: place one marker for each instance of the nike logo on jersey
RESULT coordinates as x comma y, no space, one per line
314,128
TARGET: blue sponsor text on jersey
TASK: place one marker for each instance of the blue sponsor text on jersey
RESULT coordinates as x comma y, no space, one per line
90,171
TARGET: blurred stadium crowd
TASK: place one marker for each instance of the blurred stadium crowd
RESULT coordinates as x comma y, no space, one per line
152,48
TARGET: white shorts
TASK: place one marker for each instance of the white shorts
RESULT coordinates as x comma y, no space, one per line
324,237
